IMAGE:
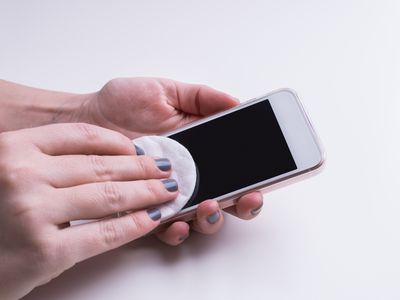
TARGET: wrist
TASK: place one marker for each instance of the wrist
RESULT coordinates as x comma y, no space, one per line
72,108
23,107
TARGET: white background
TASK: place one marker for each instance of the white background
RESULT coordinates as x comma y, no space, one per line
335,236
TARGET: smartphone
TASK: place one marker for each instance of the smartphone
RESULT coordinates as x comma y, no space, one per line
261,144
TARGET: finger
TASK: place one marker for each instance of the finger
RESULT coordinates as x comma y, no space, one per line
247,207
97,200
79,138
71,170
175,234
91,239
209,217
201,100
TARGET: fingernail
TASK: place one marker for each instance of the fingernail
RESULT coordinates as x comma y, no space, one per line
139,151
170,184
154,213
213,218
257,210
163,164
184,237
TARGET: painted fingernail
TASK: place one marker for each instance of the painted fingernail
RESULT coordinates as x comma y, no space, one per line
257,210
213,218
170,184
139,151
154,213
184,237
163,164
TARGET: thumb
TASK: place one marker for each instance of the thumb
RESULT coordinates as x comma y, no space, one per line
202,100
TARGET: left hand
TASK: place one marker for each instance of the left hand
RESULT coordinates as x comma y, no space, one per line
146,106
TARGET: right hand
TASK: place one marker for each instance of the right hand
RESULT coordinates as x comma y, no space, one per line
53,174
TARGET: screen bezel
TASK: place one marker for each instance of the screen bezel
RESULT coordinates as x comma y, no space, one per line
296,128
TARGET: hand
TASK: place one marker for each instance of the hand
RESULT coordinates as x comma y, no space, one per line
53,174
144,106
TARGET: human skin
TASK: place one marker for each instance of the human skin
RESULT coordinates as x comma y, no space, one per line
131,106
134,107
52,174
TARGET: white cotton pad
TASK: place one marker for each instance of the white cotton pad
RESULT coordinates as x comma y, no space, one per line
183,169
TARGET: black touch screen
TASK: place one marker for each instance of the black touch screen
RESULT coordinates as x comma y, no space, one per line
237,150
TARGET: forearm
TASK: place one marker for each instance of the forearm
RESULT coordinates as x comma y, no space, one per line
22,106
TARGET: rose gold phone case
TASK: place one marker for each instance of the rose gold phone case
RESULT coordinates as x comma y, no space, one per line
264,188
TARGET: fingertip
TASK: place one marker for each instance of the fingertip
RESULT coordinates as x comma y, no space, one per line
209,217
207,206
202,100
144,221
222,101
154,214
175,234
255,211
249,206
235,100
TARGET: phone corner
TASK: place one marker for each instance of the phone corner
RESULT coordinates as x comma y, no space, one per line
288,90
320,165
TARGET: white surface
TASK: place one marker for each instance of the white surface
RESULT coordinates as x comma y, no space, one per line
183,171
335,236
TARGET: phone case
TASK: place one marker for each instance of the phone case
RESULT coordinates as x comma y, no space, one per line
224,203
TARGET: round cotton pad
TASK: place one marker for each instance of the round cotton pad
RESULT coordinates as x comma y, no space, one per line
183,169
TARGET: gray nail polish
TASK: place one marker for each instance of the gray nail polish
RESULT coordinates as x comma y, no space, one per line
184,237
139,151
154,213
163,164
213,218
256,211
170,184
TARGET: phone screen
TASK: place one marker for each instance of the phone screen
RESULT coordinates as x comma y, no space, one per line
236,150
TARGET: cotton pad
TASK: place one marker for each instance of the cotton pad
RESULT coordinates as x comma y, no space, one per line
183,169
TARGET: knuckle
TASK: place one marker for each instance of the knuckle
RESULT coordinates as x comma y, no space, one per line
112,235
112,197
89,132
156,193
99,167
8,142
125,142
48,253
28,211
144,166
44,249
152,190
138,225
94,134
7,139
29,224
13,175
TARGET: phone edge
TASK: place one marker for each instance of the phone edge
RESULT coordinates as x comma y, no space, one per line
268,187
